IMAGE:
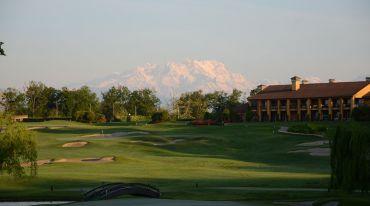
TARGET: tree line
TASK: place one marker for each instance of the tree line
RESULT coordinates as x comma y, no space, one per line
218,105
39,101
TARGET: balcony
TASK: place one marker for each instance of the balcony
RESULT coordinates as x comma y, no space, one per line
293,106
315,107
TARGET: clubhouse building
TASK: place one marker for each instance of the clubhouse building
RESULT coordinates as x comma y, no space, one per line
301,100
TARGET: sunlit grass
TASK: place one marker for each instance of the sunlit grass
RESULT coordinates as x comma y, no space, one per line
238,155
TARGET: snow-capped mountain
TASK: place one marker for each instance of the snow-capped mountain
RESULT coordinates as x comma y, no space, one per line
175,78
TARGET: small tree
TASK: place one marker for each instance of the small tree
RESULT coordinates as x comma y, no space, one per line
350,158
160,116
248,114
16,147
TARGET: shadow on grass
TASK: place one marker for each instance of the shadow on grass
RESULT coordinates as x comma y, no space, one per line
197,189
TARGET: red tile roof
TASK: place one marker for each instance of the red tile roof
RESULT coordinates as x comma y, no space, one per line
316,90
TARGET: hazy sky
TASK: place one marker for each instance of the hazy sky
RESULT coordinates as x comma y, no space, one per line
63,42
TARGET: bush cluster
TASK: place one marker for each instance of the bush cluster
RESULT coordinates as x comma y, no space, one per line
160,116
308,128
350,162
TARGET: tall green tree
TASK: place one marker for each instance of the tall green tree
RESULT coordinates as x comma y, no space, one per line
84,100
35,98
54,100
13,101
350,157
143,102
233,101
192,105
115,102
16,147
218,102
66,105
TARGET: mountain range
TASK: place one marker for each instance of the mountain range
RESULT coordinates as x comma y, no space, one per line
174,78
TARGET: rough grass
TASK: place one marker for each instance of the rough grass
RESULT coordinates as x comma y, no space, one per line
217,159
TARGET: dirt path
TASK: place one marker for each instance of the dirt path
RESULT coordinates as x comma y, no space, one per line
314,144
316,151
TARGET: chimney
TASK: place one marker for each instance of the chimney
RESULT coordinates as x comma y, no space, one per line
304,81
296,83
368,79
261,87
331,80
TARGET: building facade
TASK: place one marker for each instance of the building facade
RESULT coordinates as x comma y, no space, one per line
301,101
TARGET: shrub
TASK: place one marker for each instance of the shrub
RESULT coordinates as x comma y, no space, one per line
308,128
361,113
85,116
301,128
160,116
350,163
128,118
208,115
203,122
139,118
249,115
100,118
318,128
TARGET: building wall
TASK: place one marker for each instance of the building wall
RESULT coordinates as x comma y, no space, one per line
338,108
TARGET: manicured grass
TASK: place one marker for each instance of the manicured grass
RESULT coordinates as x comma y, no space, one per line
222,161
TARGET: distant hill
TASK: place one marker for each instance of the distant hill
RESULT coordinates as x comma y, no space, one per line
174,78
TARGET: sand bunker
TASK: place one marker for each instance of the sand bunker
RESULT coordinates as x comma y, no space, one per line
75,144
73,160
46,127
317,151
314,144
116,134
36,127
89,159
57,127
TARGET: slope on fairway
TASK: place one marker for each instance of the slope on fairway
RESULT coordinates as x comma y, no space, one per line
209,163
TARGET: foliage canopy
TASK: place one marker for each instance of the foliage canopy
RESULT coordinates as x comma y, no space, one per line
16,147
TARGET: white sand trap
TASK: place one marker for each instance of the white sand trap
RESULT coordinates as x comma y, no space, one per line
36,127
116,134
89,159
314,144
75,144
95,136
57,127
317,151
72,160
